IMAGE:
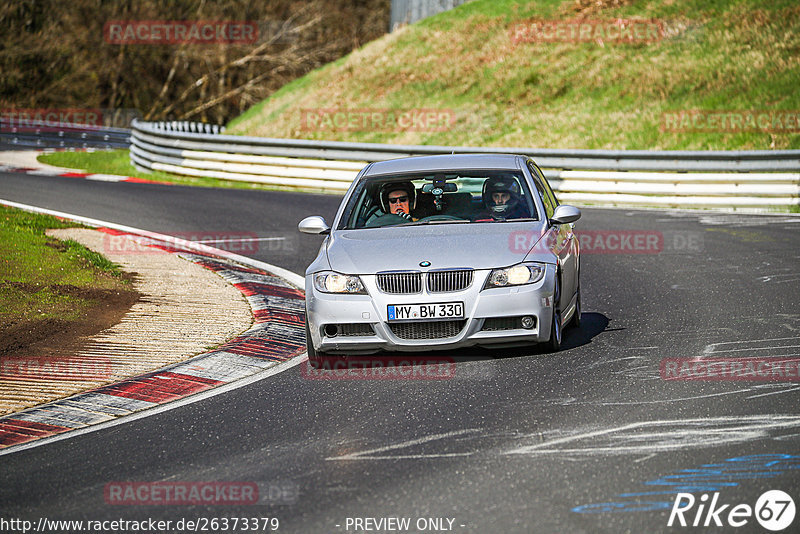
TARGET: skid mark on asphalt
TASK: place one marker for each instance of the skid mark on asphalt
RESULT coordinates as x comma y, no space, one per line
601,363
780,278
754,348
647,368
669,401
785,321
376,453
643,438
660,436
780,389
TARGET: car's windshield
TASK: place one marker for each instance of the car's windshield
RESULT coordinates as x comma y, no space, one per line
452,197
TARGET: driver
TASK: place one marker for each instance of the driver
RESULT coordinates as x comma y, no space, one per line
399,198
501,197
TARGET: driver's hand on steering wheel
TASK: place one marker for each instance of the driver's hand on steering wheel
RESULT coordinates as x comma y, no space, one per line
403,215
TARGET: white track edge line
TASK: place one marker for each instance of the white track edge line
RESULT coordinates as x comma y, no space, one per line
147,412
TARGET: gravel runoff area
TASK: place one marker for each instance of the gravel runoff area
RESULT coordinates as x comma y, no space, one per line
27,159
184,310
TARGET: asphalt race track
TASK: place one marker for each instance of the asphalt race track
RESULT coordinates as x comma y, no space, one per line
591,439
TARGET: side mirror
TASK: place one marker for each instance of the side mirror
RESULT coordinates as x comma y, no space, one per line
565,214
314,225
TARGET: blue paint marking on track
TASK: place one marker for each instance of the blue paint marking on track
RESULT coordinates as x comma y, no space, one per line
707,478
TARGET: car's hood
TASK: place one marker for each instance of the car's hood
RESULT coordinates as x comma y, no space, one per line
480,246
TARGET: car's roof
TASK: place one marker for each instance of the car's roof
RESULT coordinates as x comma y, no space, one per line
445,162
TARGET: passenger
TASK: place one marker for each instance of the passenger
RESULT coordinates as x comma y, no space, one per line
502,200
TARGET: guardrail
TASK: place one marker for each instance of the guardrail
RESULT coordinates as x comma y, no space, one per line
758,179
43,134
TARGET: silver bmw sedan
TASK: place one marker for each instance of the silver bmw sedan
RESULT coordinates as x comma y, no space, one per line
442,252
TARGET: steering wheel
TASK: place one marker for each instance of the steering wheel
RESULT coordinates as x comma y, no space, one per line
387,219
441,218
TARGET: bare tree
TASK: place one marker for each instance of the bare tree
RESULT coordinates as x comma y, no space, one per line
55,54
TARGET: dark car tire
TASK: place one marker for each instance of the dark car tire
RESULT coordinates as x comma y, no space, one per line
576,316
554,343
315,357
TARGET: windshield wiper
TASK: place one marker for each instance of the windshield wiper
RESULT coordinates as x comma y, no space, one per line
420,223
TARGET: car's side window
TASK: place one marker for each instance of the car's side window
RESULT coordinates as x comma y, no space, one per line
550,193
547,200
547,187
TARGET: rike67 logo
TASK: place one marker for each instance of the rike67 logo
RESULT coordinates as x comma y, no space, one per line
774,510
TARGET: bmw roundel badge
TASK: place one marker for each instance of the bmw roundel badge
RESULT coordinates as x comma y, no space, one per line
425,264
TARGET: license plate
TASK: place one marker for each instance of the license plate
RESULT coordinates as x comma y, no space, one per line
412,312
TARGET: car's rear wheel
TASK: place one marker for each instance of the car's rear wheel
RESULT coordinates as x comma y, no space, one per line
554,344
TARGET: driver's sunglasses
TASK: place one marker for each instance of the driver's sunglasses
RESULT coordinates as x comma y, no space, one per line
398,199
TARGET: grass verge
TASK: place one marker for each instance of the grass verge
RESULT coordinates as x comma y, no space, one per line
47,284
711,55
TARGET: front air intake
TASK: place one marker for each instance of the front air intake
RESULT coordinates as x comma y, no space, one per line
428,330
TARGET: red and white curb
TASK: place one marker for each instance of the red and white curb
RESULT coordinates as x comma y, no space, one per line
273,344
76,174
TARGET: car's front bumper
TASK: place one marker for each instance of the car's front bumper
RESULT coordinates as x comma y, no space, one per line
482,310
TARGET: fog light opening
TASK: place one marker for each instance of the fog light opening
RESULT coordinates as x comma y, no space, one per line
331,330
528,322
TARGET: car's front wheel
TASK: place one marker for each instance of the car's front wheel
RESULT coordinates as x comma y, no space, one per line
315,357
554,344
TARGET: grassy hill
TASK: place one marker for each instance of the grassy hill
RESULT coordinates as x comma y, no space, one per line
741,55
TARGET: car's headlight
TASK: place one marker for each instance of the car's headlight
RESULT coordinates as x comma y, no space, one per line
331,282
516,275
